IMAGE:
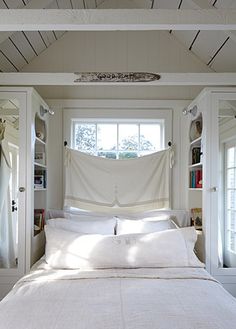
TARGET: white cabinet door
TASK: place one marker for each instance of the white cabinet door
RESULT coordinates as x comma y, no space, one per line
12,187
222,176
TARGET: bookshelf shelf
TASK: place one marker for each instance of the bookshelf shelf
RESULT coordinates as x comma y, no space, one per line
196,165
39,141
40,189
39,165
196,141
195,188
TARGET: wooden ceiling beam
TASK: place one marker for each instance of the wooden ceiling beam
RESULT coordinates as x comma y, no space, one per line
116,19
167,79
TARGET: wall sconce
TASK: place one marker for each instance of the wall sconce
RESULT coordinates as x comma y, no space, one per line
192,110
43,111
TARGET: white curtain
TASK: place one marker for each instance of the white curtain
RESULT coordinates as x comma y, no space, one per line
130,185
7,252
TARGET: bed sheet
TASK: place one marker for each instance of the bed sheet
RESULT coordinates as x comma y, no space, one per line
167,298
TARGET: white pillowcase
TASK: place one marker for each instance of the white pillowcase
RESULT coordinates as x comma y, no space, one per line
146,225
106,226
170,248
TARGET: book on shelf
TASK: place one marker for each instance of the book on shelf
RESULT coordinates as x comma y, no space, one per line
40,179
39,220
196,218
195,178
196,155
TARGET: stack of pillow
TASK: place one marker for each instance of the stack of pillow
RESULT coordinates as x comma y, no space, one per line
95,242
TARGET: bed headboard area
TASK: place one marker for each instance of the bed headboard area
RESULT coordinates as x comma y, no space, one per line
180,217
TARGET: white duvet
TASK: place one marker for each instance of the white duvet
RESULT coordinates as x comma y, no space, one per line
167,298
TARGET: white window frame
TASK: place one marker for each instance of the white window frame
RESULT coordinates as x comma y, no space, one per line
118,122
124,115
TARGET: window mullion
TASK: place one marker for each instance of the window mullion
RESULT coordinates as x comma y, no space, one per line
139,139
117,141
96,151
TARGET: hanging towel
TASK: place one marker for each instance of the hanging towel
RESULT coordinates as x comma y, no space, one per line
130,185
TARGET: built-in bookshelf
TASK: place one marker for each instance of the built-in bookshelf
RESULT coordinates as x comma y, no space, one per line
40,175
195,154
195,185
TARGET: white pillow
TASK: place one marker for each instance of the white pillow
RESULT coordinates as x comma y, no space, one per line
106,226
170,248
146,225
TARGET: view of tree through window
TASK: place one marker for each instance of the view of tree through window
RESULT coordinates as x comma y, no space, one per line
118,140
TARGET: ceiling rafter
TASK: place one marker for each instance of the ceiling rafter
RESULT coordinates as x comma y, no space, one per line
117,19
203,4
33,4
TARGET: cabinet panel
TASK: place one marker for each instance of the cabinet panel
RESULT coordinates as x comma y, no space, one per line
12,187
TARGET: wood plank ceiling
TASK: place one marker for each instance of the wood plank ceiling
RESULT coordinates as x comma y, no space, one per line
217,49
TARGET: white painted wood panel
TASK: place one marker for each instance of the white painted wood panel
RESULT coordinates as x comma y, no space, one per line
166,4
48,37
226,4
5,65
14,4
84,55
2,5
23,45
36,41
78,4
185,37
207,43
123,4
225,61
53,5
8,48
90,4
137,55
64,4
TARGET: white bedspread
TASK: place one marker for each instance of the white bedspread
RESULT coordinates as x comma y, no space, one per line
168,298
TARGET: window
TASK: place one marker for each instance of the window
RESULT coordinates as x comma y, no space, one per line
118,140
230,195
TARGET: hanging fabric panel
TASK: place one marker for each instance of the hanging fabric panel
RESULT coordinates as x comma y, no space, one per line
130,185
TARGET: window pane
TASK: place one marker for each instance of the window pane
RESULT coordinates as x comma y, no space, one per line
108,155
150,137
231,178
231,198
232,241
231,157
128,155
231,216
128,137
85,137
106,137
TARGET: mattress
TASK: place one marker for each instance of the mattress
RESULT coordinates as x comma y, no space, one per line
150,298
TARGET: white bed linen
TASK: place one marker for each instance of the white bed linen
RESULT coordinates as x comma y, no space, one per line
168,298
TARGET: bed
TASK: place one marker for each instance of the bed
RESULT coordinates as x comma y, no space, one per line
163,284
